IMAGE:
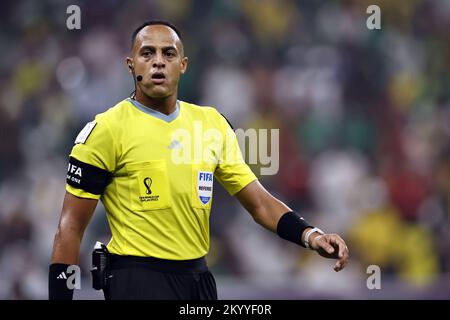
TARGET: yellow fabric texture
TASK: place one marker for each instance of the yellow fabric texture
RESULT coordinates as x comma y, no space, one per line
159,199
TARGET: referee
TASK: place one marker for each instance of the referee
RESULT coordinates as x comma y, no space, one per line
157,208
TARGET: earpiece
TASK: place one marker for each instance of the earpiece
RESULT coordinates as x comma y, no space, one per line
139,77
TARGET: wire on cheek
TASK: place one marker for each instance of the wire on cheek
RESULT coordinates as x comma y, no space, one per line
133,93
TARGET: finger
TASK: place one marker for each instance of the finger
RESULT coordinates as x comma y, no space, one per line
346,255
338,266
343,261
326,246
337,240
341,249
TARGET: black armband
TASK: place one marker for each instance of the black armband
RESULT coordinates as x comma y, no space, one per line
87,177
291,226
57,282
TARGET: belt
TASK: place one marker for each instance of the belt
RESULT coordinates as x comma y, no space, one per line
156,264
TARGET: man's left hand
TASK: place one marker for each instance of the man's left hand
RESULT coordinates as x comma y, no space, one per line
331,246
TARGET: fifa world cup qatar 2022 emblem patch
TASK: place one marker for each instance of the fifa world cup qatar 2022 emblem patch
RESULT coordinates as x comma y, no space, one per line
149,194
205,186
148,184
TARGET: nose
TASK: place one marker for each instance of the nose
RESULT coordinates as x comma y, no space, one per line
158,61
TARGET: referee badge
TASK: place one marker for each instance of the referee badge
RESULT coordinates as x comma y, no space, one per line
204,186
85,132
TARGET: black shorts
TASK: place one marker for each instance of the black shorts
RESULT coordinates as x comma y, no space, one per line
142,278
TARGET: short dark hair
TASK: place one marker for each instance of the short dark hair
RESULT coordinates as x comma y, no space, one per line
151,23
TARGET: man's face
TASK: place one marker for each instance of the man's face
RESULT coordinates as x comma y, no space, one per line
157,56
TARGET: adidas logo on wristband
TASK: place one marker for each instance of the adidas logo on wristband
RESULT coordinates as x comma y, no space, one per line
62,275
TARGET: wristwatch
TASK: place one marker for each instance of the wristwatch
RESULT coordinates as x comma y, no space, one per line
308,234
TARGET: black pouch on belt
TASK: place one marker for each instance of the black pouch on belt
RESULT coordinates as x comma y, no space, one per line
100,266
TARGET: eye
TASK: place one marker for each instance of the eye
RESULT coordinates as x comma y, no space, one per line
170,53
146,53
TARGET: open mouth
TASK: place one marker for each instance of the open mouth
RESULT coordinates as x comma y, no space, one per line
158,77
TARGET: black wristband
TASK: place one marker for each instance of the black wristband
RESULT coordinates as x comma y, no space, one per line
57,282
291,226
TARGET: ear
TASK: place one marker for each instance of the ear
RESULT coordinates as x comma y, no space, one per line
129,62
184,64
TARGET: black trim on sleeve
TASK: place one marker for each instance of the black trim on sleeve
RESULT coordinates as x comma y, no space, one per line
87,177
228,121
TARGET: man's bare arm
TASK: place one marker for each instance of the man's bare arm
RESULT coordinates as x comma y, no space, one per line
75,216
267,211
263,207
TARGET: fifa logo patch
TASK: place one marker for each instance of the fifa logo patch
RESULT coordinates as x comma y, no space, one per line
204,186
147,182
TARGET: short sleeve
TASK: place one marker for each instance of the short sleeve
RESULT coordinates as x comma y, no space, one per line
92,160
232,171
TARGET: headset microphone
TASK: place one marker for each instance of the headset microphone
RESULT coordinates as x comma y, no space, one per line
139,78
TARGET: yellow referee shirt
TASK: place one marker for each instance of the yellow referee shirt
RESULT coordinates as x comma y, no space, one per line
160,171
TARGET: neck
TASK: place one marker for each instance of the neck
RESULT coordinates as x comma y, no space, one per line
165,105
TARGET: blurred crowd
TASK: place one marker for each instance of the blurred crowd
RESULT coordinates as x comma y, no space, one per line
364,119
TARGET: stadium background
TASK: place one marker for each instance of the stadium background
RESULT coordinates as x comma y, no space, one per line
364,118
